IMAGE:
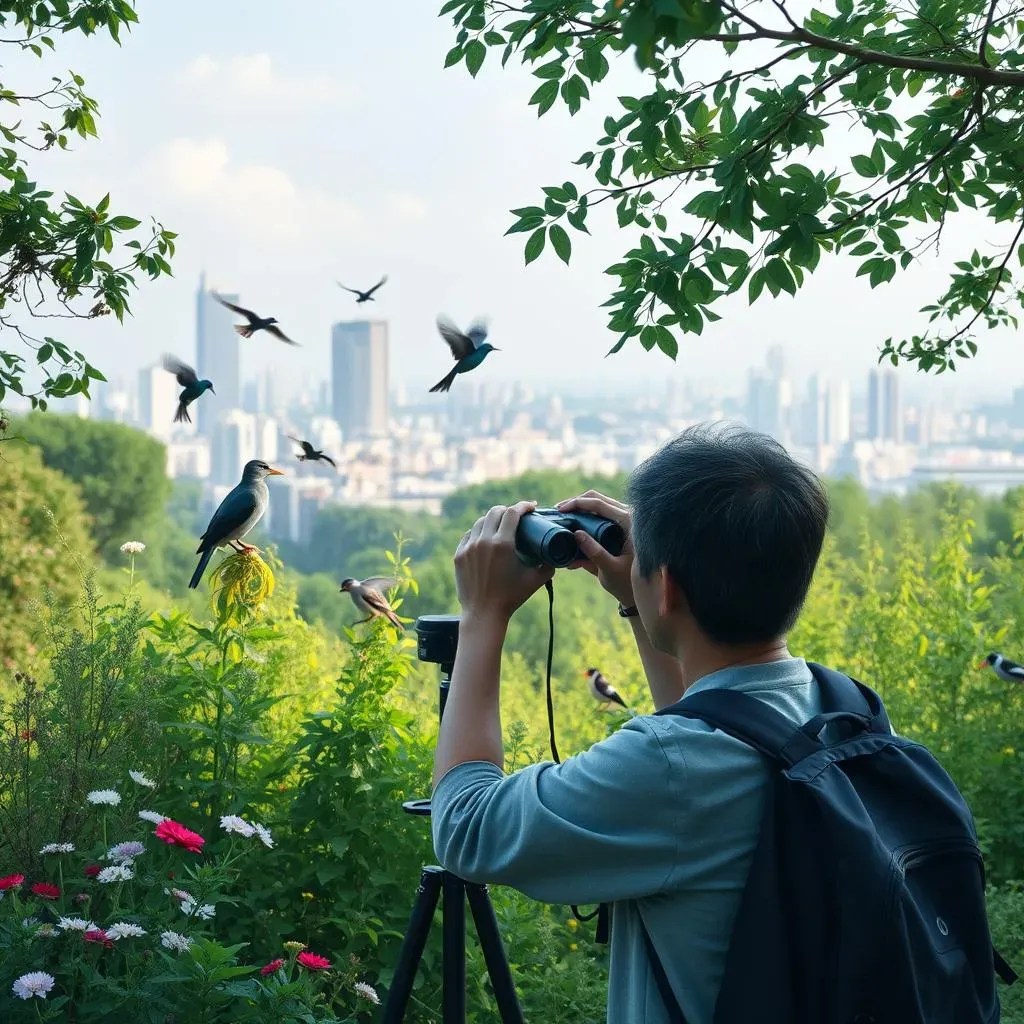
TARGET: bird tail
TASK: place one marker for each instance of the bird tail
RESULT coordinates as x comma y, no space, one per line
617,697
182,416
200,569
394,619
244,330
446,382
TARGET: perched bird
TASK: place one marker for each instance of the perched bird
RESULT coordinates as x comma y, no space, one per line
469,350
193,386
363,296
369,598
1007,670
601,690
256,323
241,509
310,454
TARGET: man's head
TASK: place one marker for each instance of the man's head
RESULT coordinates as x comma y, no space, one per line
727,529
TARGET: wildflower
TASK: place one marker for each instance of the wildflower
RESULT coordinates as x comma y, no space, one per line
274,965
132,547
75,924
46,931
125,930
152,816
27,735
98,935
11,882
57,848
367,992
180,894
264,835
35,983
45,891
92,871
104,796
82,898
293,947
313,962
307,896
177,835
142,780
572,924
125,851
172,940
233,823
573,947
116,873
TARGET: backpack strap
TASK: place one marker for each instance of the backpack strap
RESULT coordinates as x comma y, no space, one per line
668,997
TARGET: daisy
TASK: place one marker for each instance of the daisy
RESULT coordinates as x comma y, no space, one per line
11,882
177,835
264,835
313,962
132,547
124,930
274,965
35,983
367,992
75,924
172,940
125,851
151,816
141,780
233,823
97,935
116,873
57,848
45,891
104,796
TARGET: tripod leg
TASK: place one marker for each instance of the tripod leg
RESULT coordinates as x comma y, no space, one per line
422,917
494,953
453,939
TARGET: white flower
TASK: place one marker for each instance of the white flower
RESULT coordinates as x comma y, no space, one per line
57,848
29,922
132,547
264,834
233,823
206,911
142,780
104,796
172,940
35,983
152,816
116,873
46,930
123,930
367,992
75,924
125,851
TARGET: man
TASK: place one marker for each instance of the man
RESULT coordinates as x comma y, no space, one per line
661,819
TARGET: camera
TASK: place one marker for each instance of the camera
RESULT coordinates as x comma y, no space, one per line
545,536
437,640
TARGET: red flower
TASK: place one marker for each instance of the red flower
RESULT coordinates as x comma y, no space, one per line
28,735
92,871
11,882
271,967
313,962
177,835
45,891
98,935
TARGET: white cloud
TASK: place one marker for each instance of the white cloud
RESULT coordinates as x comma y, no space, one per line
407,207
254,77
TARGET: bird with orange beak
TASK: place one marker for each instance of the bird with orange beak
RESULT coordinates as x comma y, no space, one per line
1008,671
601,690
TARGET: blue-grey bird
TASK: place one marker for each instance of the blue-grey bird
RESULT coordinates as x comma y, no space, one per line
193,386
469,350
1007,670
366,296
311,454
601,690
368,597
256,323
241,509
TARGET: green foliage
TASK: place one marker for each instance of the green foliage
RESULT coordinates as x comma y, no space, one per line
119,471
932,96
62,254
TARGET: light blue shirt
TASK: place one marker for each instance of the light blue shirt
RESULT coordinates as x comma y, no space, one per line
660,819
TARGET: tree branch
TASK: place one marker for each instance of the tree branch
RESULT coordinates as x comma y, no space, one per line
985,32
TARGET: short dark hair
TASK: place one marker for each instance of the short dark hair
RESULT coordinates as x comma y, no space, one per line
737,523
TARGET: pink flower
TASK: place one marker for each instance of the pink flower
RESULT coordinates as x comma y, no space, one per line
45,891
177,835
11,882
271,967
98,935
92,870
313,962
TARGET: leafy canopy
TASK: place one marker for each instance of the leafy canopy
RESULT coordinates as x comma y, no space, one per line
922,107
58,258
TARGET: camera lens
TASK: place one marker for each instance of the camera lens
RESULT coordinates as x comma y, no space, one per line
611,537
437,638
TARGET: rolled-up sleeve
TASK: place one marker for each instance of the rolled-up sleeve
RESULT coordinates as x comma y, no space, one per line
604,825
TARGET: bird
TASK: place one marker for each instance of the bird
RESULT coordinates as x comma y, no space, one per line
310,454
368,597
241,509
366,296
256,323
1007,670
469,350
601,690
193,386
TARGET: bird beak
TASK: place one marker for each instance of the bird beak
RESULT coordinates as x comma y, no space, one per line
585,673
212,392
494,348
274,472
982,664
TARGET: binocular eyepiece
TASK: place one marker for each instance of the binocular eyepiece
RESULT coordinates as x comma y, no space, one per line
546,536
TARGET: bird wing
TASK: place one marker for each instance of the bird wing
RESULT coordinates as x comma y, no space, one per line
278,333
460,344
375,599
477,333
307,448
183,373
1011,668
240,310
379,583
345,287
238,506
379,284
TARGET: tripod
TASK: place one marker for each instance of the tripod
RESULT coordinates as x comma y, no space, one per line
453,892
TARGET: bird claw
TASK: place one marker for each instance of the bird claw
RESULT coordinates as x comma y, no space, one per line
248,549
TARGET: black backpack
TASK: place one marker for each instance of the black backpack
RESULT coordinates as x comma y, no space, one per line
865,902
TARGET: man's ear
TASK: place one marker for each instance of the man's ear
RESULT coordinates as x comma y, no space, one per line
671,599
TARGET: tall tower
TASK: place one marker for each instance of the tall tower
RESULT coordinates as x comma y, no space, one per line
885,412
359,377
218,358
158,401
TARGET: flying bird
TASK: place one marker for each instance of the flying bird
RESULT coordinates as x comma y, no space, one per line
469,350
601,690
310,454
241,509
366,296
193,386
368,597
1007,670
256,323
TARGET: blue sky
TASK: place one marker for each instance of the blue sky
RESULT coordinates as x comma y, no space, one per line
290,151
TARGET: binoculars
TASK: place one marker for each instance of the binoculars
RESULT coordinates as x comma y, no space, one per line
546,536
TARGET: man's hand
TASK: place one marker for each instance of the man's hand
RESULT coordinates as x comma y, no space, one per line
613,572
490,580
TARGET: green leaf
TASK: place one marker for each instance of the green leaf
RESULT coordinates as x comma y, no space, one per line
864,166
544,97
44,353
560,242
535,245
123,223
475,53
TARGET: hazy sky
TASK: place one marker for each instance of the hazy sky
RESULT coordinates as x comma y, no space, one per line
291,150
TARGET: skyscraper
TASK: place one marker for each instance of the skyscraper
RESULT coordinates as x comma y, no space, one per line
885,414
359,385
235,442
826,418
158,401
218,358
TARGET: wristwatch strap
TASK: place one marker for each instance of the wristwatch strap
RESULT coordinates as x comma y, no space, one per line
628,613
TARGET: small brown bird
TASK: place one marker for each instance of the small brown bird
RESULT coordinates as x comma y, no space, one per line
256,323
601,690
311,454
368,597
